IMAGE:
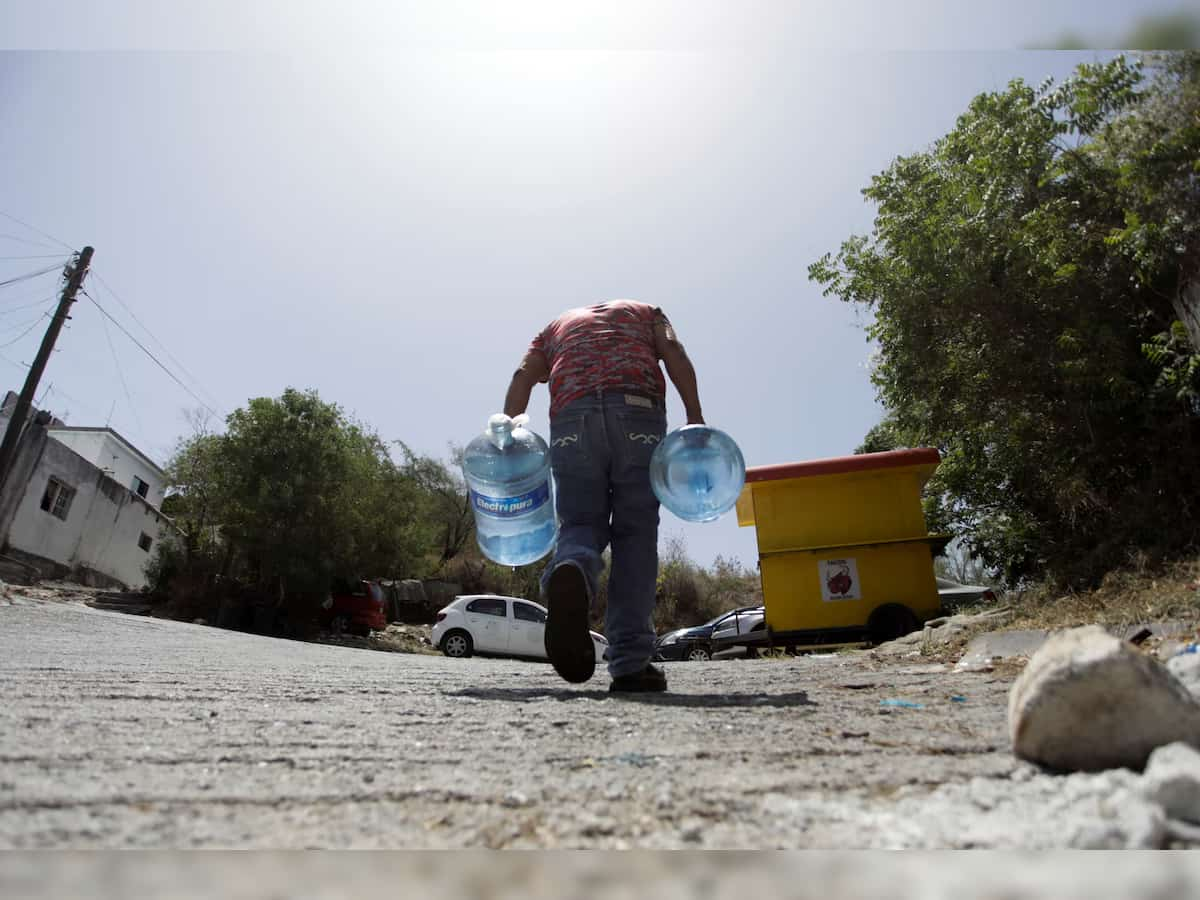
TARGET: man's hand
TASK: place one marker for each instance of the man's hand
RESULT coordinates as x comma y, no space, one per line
679,368
533,369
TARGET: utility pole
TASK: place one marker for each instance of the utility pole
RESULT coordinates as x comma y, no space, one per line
17,422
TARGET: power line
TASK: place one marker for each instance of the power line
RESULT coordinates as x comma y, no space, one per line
142,347
13,328
13,362
124,385
29,275
39,231
56,390
53,388
24,292
43,302
39,256
15,237
161,345
25,332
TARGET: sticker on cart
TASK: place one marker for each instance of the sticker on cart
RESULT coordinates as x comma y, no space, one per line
839,580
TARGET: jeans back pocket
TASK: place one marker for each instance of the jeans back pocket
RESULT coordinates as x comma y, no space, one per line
640,435
569,450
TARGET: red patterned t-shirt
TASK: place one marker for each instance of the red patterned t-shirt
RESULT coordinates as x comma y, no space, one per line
609,346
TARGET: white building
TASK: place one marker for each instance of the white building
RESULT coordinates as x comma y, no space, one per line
116,458
80,503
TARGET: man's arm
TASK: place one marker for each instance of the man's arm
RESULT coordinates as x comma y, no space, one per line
679,368
533,370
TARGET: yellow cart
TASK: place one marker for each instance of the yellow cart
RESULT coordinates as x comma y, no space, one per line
843,549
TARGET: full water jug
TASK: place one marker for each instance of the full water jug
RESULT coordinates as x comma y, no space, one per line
697,473
508,473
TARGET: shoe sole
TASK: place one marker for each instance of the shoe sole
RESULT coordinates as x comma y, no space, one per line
641,685
568,640
640,689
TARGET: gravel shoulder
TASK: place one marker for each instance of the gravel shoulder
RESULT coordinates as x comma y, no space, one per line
122,731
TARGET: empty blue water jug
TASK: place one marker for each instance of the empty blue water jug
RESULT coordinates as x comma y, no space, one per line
697,473
507,469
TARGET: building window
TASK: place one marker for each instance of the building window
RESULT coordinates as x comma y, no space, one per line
140,486
144,541
57,499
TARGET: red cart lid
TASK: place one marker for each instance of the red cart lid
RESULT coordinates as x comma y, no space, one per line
839,465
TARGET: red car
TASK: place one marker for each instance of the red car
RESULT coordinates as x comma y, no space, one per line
360,610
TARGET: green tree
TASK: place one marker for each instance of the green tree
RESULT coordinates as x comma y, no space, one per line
195,502
311,494
1020,273
447,504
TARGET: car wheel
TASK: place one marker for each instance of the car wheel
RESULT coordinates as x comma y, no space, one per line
698,654
891,621
458,645
340,624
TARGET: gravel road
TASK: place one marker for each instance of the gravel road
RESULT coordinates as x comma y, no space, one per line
120,731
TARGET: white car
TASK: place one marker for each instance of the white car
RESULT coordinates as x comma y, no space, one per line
495,625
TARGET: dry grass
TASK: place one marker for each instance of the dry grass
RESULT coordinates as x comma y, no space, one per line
1137,595
1132,596
396,639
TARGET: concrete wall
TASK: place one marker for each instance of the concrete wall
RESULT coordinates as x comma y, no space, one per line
109,453
102,526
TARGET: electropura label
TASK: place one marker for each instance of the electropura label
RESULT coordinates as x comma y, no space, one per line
511,507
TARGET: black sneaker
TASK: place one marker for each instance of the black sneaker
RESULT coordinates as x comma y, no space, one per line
651,680
568,639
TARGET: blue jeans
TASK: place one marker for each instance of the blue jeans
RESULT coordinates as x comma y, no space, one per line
600,449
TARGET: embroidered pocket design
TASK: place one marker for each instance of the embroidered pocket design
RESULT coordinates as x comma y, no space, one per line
644,438
565,440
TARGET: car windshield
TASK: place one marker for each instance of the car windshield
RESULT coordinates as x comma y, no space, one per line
726,618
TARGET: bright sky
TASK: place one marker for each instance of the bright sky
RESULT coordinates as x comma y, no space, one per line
387,205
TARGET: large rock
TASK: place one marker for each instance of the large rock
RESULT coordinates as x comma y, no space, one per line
1185,666
1124,822
1088,701
1172,780
943,630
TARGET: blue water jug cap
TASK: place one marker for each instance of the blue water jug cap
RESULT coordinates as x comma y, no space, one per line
500,428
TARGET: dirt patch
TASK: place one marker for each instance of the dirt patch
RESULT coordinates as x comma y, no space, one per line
1125,598
396,639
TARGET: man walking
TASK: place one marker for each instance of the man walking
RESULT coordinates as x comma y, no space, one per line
607,415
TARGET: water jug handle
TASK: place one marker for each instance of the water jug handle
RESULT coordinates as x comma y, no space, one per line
520,421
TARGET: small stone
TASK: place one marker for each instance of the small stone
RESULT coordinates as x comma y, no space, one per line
1088,701
1134,825
1185,666
514,800
1172,780
693,834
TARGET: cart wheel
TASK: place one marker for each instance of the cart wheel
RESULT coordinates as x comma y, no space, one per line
891,621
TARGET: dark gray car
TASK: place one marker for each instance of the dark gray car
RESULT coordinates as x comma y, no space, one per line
956,596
